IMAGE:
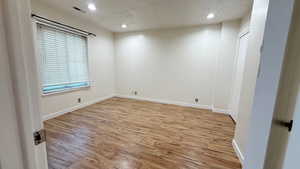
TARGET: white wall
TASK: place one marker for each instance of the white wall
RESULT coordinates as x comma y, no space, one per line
172,65
10,147
101,63
226,66
256,32
242,117
239,65
178,65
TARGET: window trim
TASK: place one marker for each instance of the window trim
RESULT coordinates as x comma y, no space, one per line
36,23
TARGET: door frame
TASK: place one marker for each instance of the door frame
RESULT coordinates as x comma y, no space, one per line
25,77
233,114
21,51
272,55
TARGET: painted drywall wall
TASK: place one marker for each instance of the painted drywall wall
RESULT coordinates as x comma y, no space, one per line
244,28
101,63
243,115
226,65
256,33
10,154
239,66
178,65
171,65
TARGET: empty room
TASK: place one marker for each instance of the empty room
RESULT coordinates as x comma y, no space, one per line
143,84
140,84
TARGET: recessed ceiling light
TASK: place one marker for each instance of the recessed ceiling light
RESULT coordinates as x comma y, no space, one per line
124,26
92,6
210,16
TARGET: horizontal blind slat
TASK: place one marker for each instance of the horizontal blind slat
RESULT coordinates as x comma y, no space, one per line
63,57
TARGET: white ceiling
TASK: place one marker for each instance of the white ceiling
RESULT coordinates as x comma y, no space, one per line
153,14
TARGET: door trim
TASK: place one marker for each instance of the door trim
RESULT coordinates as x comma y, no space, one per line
241,35
272,53
23,67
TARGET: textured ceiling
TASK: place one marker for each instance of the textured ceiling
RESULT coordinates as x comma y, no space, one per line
153,14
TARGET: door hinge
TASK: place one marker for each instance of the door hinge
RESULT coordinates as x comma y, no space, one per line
39,136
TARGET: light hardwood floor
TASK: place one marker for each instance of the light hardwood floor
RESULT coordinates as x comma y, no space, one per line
130,134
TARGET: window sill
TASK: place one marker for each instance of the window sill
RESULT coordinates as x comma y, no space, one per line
65,91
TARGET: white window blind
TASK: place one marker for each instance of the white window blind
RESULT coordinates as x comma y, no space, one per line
64,62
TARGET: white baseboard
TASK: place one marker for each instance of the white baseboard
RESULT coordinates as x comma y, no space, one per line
200,106
56,114
217,110
238,152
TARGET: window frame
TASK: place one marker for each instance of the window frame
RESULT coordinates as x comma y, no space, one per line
36,23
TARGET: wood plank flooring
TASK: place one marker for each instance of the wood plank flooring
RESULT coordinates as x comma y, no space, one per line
129,134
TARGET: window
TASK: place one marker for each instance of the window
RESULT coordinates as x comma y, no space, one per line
64,62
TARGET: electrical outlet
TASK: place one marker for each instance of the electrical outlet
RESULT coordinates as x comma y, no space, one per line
196,100
135,93
79,100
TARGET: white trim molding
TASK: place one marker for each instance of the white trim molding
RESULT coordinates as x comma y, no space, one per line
59,113
238,151
233,115
218,110
179,103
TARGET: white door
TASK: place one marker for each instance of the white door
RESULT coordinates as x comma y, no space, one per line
284,146
20,49
291,160
240,65
10,146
